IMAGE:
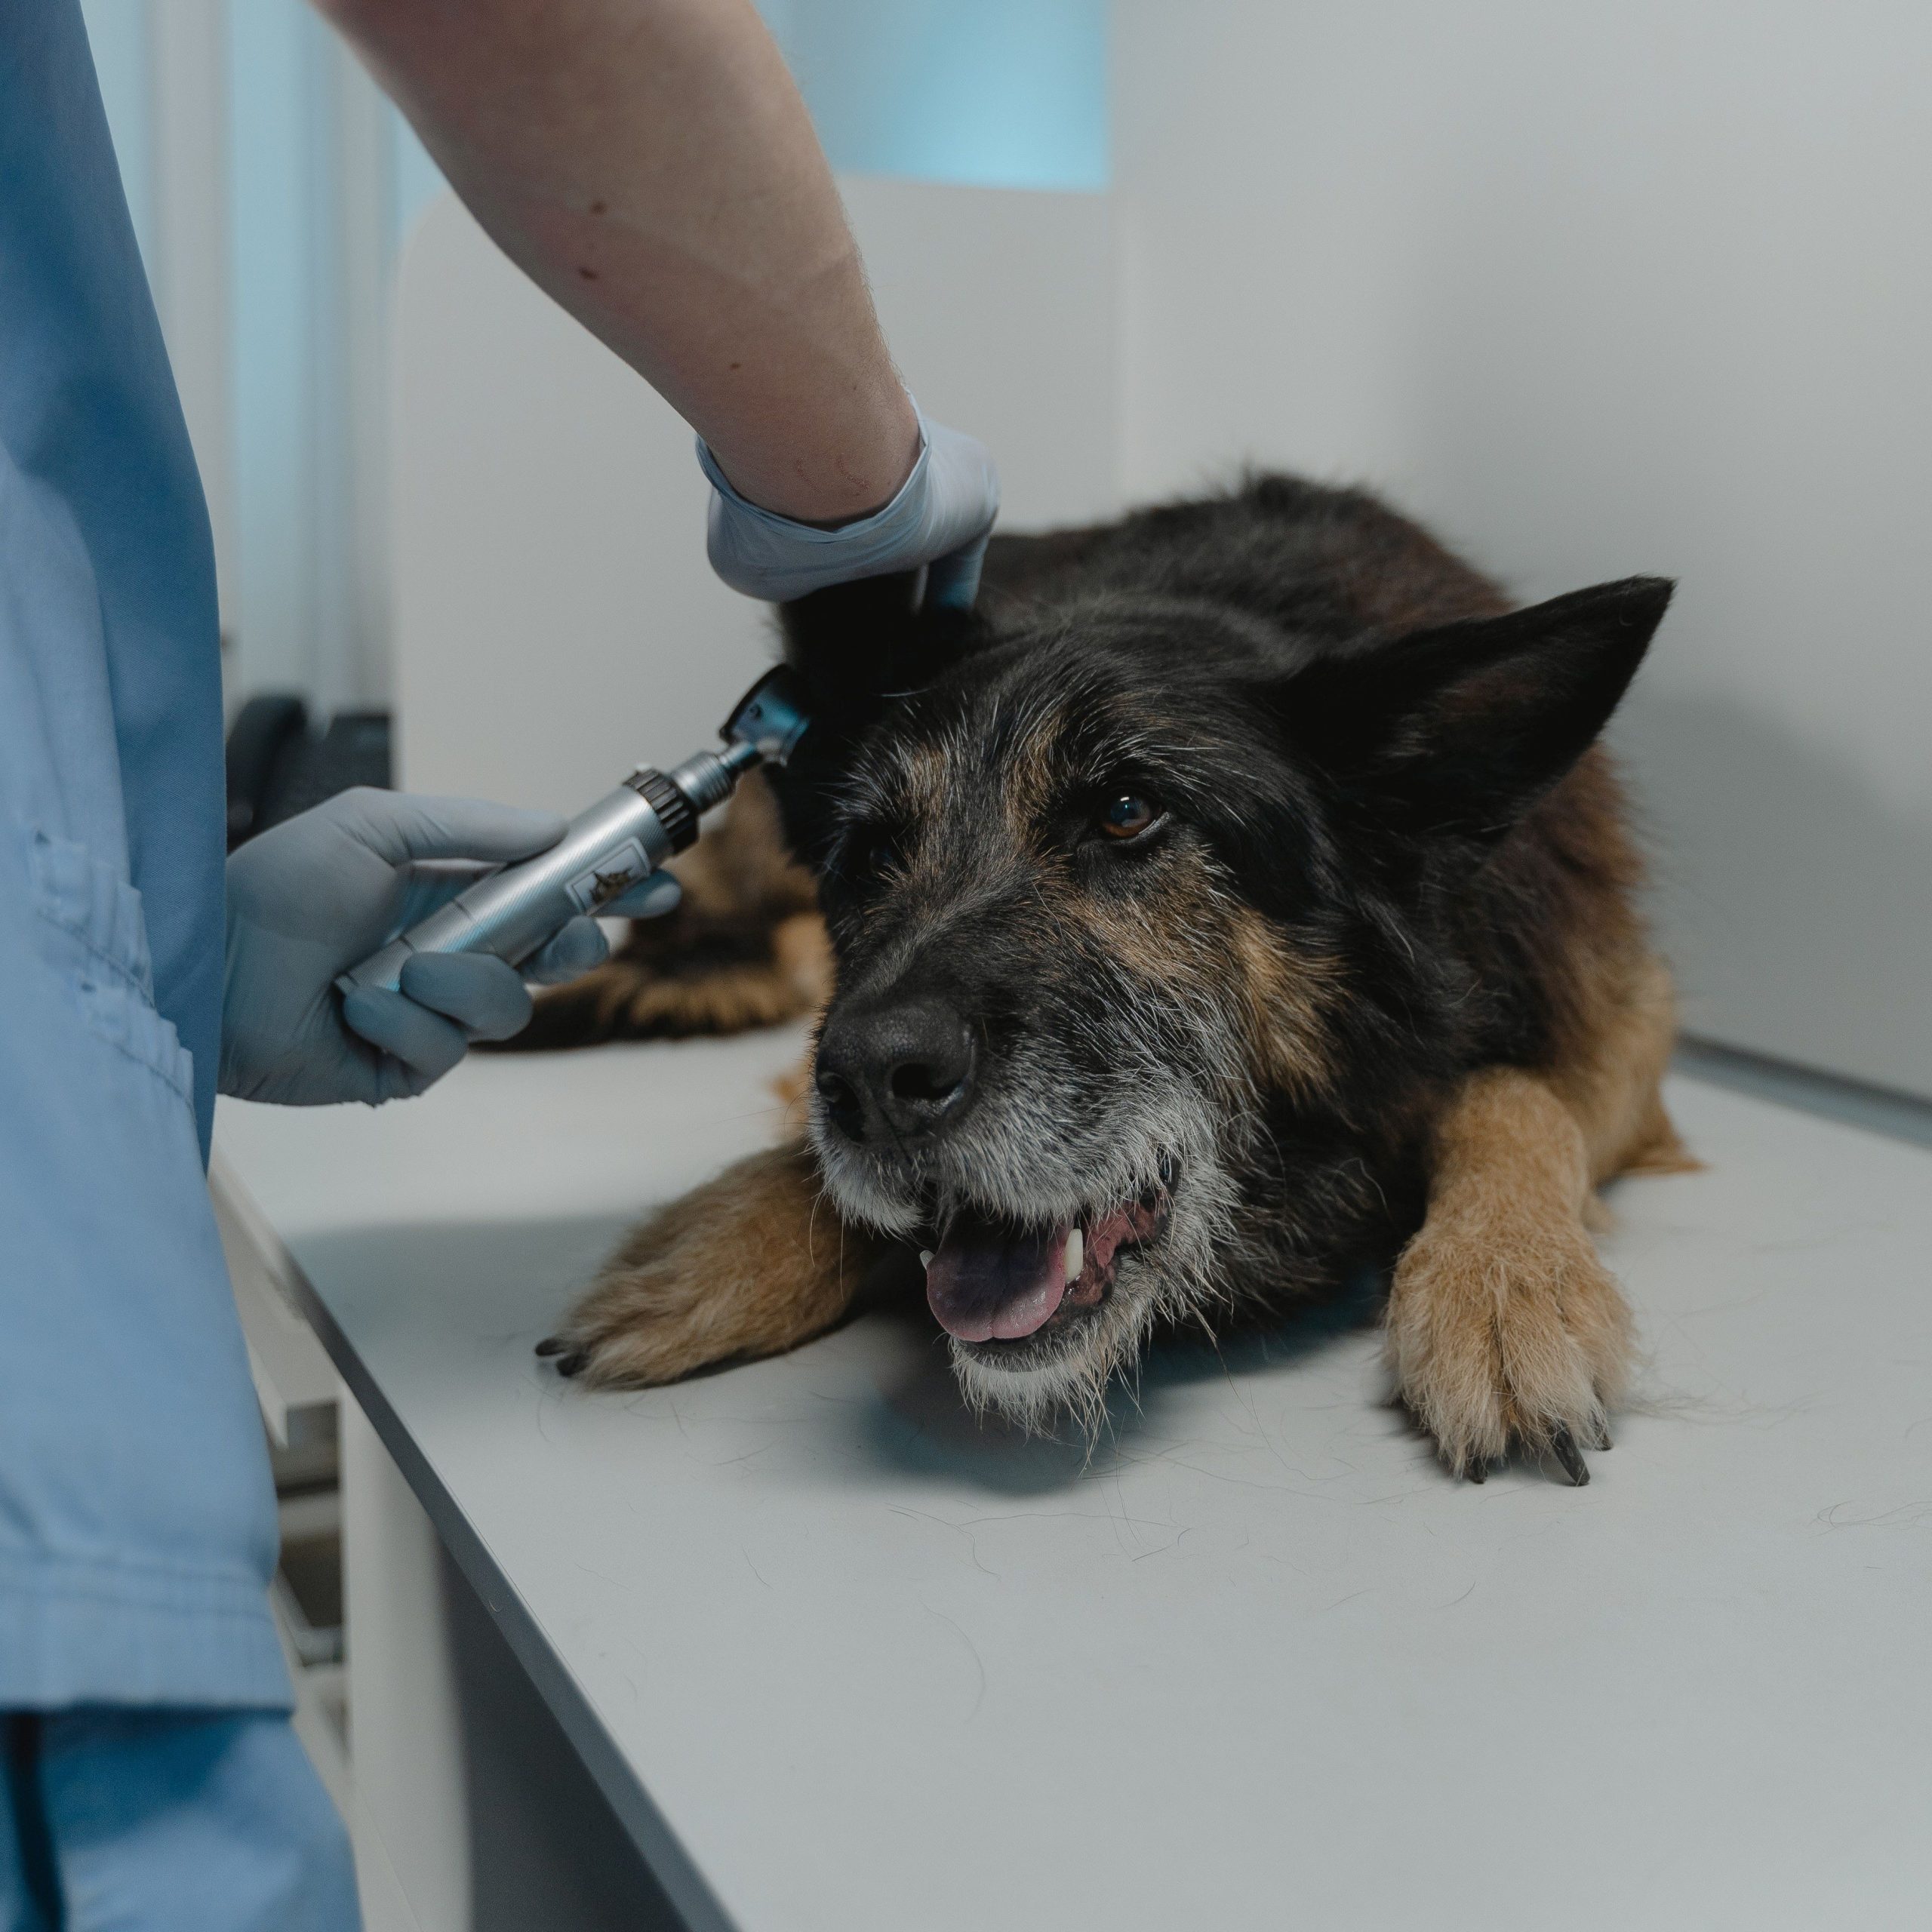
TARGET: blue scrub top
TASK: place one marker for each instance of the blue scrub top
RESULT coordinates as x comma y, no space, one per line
137,1527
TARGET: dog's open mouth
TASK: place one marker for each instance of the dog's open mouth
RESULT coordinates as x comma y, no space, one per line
991,1280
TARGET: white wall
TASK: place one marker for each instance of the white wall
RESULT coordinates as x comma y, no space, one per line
1001,94
269,181
556,621
1599,288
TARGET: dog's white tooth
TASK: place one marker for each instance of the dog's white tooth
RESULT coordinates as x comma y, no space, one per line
925,1258
1076,1252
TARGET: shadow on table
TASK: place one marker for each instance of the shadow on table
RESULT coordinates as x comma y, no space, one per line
506,1284
921,1426
506,1277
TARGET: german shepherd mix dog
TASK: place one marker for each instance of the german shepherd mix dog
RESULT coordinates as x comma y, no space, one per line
1237,900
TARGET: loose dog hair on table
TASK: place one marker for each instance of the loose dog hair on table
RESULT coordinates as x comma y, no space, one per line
1237,900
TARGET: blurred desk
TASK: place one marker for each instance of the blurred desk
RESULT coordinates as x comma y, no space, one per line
838,1660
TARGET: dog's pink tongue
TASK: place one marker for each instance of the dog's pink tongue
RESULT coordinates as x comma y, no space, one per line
989,1280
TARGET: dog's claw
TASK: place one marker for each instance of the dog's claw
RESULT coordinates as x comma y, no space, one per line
572,1364
1604,1441
1477,1470
1563,1446
552,1345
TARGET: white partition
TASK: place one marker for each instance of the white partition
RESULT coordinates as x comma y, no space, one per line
556,621
1610,286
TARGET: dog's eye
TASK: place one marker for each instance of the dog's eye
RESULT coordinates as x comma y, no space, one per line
1127,816
866,852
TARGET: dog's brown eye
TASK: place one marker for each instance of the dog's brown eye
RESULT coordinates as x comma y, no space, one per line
1127,816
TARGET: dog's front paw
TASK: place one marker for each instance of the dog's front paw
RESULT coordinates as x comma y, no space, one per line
651,1317
747,1265
1501,1337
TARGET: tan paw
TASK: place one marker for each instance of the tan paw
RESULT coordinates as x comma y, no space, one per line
1505,1336
651,1317
749,1264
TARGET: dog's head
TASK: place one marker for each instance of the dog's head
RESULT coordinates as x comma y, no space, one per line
1106,886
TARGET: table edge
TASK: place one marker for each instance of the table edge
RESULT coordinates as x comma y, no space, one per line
663,1853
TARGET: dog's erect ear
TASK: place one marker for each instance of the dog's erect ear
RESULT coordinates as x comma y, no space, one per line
858,648
1460,729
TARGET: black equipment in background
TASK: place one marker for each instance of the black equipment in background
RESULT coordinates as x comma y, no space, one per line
279,765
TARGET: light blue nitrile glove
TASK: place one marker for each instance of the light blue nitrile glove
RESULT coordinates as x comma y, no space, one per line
310,898
941,517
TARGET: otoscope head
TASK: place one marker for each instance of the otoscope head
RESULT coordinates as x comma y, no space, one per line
768,723
769,718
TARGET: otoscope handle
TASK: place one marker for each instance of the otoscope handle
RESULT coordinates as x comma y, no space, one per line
620,841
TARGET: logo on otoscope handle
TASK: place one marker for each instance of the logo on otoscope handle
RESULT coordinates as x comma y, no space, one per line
614,874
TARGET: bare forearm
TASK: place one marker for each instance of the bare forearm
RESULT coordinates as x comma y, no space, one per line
650,163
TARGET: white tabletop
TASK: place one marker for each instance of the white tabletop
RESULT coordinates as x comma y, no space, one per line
844,1660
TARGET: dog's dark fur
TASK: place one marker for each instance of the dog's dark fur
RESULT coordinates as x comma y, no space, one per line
1369,989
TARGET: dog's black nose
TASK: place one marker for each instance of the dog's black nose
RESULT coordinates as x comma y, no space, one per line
896,1073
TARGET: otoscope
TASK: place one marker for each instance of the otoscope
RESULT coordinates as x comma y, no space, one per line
651,817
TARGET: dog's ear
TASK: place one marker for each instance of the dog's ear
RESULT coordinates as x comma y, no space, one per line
858,648
1461,728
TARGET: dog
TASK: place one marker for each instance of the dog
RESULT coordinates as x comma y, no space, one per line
1239,899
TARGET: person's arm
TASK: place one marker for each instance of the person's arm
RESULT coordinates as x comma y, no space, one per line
650,163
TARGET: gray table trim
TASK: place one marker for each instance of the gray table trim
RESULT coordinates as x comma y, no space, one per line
692,1898
1890,1111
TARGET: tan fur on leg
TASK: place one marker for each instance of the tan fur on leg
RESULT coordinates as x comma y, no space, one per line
1612,1077
750,1264
637,996
1503,1325
1658,1150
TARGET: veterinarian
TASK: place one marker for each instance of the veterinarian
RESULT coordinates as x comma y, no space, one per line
651,164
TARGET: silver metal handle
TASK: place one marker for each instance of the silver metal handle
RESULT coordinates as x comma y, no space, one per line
618,842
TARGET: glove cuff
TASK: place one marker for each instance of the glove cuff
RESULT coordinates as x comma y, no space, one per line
764,554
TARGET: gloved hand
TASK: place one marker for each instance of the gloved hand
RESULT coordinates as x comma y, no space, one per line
312,898
941,517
